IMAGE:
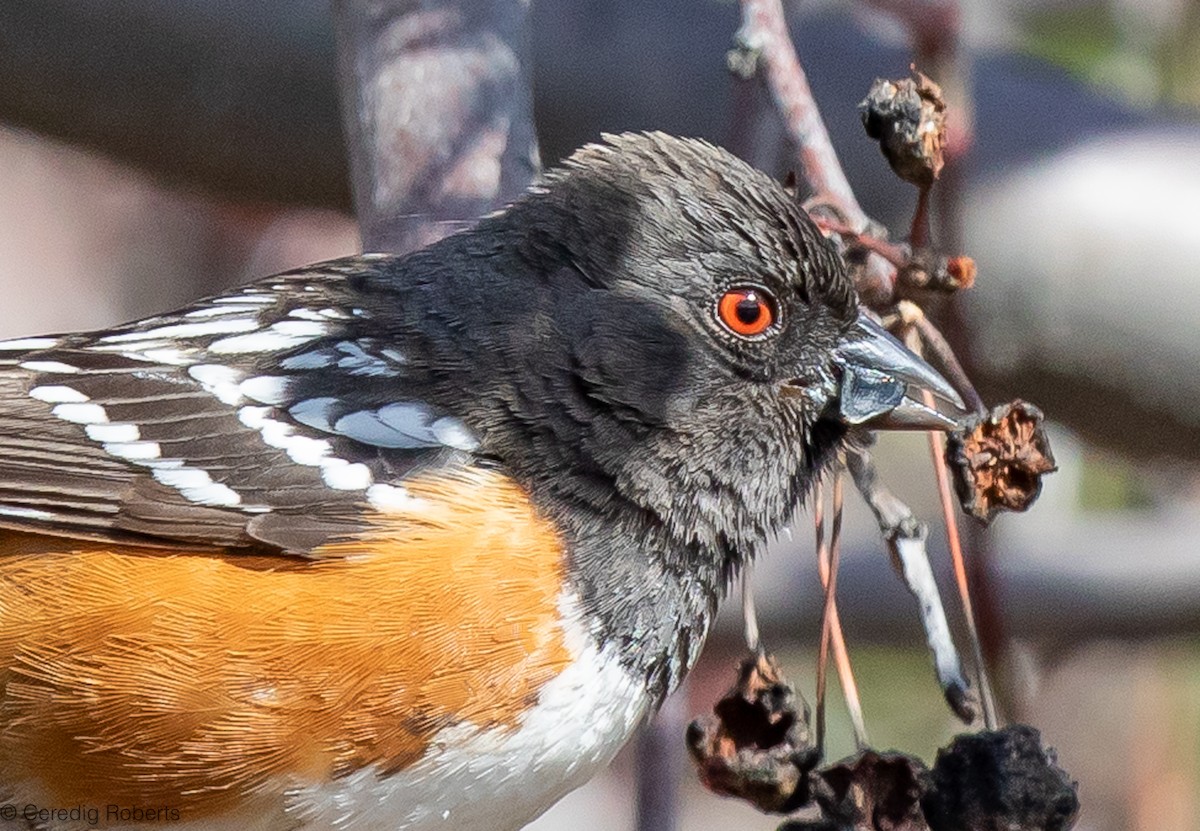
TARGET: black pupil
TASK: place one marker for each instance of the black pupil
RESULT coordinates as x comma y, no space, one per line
749,309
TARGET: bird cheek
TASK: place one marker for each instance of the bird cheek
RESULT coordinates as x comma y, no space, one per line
813,390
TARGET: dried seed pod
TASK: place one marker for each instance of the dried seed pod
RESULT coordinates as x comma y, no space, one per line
998,460
908,119
875,791
756,746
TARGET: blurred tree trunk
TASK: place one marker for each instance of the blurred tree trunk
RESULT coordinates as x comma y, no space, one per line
438,109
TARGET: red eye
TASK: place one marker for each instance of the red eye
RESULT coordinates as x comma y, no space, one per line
746,311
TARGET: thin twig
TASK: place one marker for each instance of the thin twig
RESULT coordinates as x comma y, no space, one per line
832,557
934,343
764,34
905,537
822,556
937,451
896,253
950,518
841,660
947,361
918,235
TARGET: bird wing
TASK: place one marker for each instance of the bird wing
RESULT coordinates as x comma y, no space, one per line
265,418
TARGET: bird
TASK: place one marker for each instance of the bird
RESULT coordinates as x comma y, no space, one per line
418,541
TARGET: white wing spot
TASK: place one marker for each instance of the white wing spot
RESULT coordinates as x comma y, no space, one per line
197,486
169,355
112,432
247,297
221,381
347,477
24,513
26,344
318,314
51,366
304,450
54,394
453,433
391,498
134,451
265,389
186,330
306,328
136,351
254,417
215,311
80,413
270,340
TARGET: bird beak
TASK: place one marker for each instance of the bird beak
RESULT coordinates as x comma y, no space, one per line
882,384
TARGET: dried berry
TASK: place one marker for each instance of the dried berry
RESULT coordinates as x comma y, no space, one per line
1001,780
928,270
998,460
962,270
756,746
908,119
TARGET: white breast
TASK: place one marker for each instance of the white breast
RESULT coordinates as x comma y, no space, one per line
495,779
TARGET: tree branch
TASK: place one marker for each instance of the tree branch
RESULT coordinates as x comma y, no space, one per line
763,43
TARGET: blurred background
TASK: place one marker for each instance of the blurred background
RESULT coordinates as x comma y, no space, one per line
152,151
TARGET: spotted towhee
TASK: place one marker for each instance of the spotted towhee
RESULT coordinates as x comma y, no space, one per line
416,542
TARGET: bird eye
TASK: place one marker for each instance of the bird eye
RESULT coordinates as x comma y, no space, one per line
746,311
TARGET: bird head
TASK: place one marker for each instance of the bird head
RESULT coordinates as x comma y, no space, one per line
675,325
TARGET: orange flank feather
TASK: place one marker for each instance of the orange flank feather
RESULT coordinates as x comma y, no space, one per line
199,680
